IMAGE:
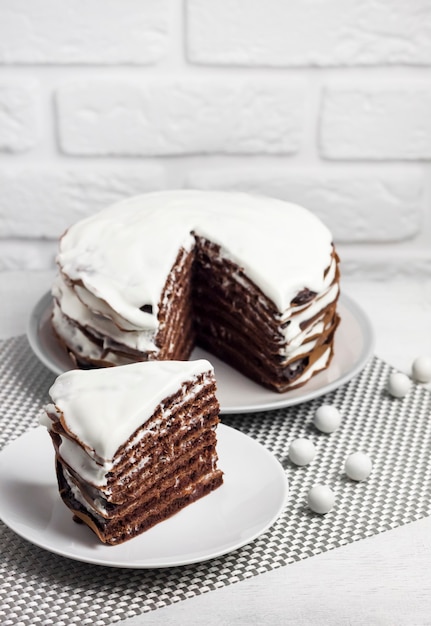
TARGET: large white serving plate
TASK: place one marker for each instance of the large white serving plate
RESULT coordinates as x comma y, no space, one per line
252,497
354,344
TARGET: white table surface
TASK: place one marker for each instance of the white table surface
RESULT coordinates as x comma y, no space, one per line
384,580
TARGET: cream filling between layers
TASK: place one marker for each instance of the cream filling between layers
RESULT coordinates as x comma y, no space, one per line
291,319
80,343
88,463
96,496
328,285
73,308
83,464
96,507
318,365
293,333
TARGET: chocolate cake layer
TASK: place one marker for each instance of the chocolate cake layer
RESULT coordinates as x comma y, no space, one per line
237,323
165,464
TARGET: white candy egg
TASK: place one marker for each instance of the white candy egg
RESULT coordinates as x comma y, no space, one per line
302,451
358,466
321,499
398,384
327,418
421,369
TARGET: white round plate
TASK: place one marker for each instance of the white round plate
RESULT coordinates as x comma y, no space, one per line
251,498
354,344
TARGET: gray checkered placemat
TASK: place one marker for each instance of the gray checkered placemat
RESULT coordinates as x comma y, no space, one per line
37,587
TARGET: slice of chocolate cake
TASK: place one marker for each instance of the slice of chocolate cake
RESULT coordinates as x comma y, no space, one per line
134,444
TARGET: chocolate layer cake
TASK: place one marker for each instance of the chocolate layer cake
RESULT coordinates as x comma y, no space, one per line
253,280
134,444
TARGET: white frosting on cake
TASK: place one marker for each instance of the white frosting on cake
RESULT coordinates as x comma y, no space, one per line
124,254
103,327
102,408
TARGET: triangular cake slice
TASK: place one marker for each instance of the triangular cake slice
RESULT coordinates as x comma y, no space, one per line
135,443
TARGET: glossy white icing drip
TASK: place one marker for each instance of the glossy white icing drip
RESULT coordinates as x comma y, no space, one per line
81,344
83,464
96,508
74,309
104,407
293,333
318,365
327,284
123,255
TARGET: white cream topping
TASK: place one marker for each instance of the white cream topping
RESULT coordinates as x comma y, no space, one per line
293,330
327,284
81,344
83,464
104,407
123,254
96,507
75,310
320,364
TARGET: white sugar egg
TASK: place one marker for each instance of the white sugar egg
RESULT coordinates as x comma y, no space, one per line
421,369
358,466
327,418
398,384
321,499
302,451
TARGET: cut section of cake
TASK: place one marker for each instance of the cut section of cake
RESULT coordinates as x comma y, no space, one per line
134,444
253,280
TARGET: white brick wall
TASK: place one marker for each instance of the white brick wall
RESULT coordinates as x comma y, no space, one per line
43,201
83,31
19,115
304,33
377,207
179,117
323,103
391,121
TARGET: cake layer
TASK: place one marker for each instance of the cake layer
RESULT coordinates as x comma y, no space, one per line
127,455
117,531
173,422
279,351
